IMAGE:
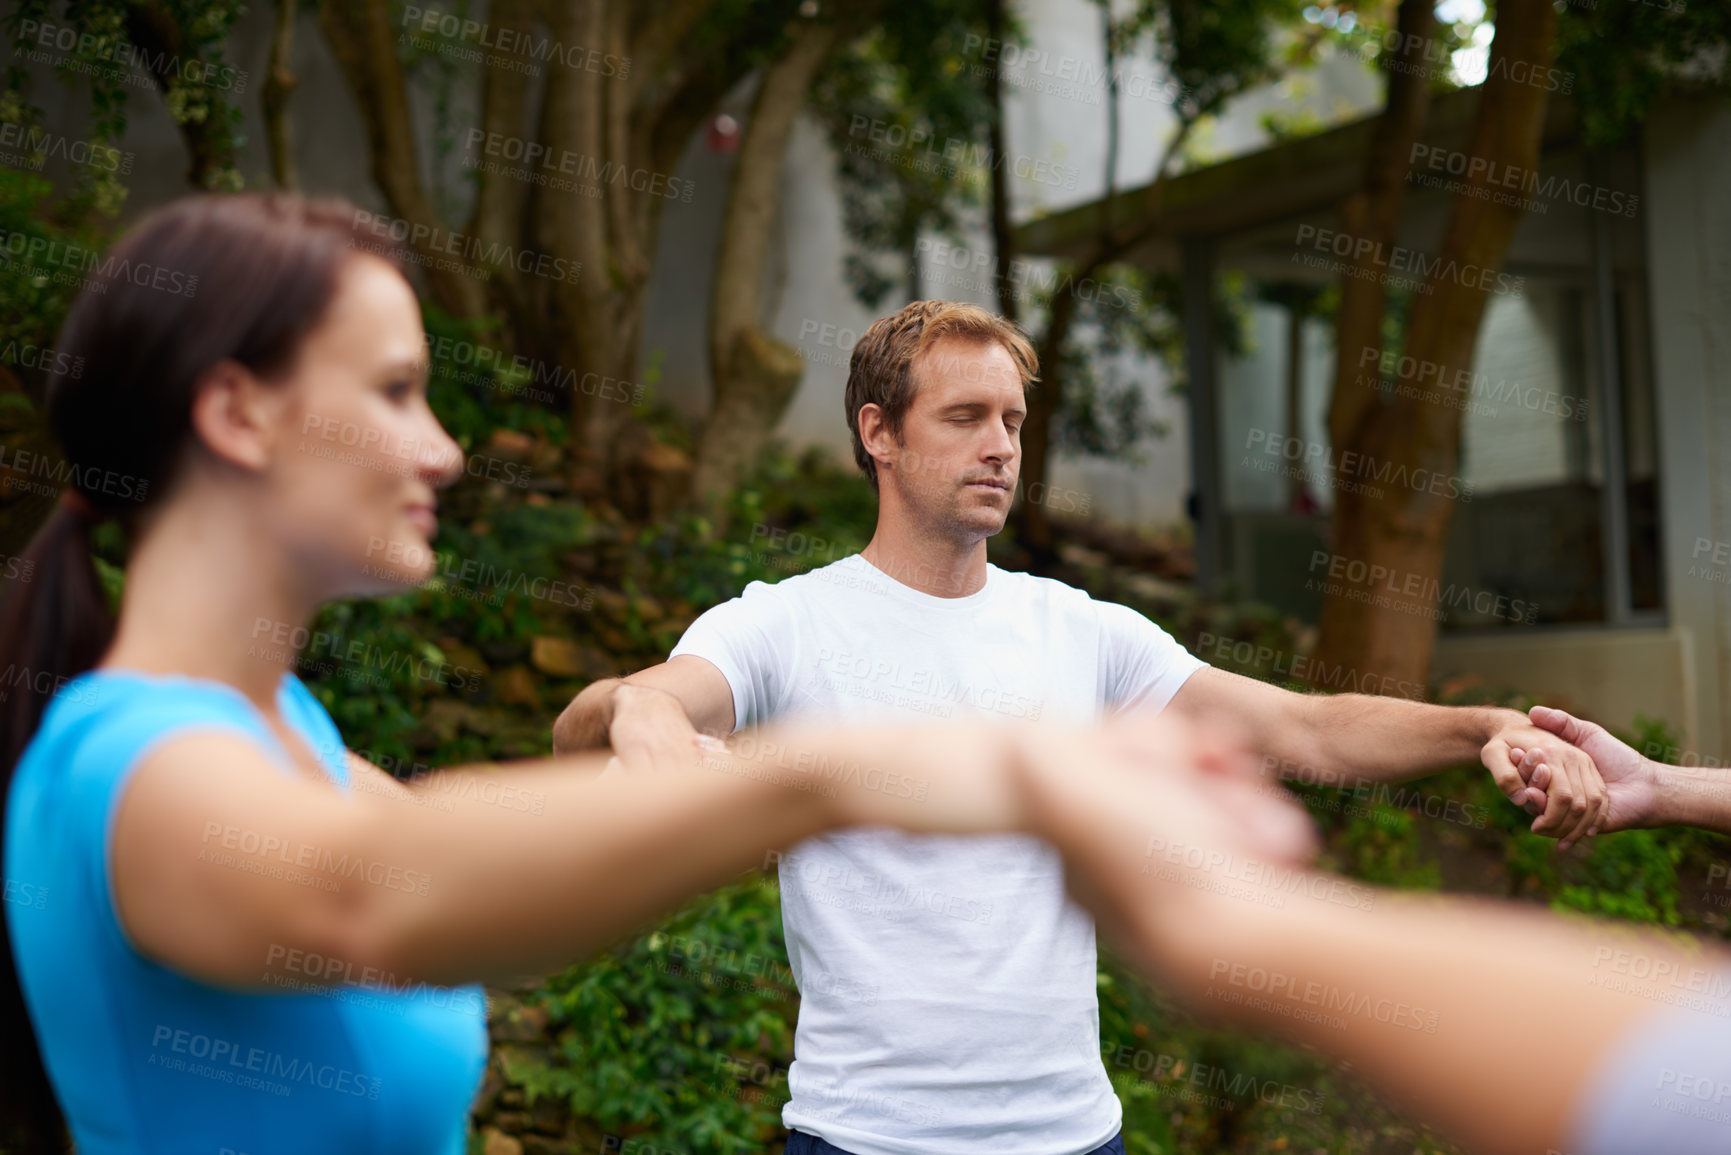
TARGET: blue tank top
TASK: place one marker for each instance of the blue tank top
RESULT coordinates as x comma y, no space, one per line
144,1059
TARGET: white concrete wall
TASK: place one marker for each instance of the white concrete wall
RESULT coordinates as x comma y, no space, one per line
1688,185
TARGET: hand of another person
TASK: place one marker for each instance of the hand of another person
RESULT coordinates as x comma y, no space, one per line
1155,854
1570,804
651,734
1630,782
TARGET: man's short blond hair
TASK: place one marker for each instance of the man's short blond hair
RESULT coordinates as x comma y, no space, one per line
881,370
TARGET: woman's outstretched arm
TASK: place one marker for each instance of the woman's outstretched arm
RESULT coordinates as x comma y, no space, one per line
223,865
1486,1019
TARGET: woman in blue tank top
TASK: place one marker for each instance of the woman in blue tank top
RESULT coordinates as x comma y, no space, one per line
224,932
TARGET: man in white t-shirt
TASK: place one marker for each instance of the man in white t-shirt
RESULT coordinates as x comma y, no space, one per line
947,984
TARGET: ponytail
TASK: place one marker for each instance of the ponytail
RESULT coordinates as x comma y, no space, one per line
54,625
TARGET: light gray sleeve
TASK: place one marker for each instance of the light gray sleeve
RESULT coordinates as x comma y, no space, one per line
1667,1086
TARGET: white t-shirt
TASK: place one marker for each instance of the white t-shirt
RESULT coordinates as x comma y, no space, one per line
947,983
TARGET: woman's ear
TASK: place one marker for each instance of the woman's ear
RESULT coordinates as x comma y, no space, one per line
237,416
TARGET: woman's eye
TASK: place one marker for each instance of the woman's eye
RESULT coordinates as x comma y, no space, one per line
400,390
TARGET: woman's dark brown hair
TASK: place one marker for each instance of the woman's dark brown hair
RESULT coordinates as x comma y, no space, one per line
202,280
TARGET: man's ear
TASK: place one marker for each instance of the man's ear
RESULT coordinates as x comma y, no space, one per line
874,434
237,416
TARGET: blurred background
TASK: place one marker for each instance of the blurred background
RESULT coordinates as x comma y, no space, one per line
1385,347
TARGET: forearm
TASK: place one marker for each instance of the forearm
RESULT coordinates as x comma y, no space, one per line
1354,738
584,724
1520,1024
515,888
1691,796
532,867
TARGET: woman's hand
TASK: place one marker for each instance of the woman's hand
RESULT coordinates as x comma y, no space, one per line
1159,837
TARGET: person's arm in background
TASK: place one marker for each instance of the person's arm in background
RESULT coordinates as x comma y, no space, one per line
650,717
1642,793
1492,1022
730,670
1354,740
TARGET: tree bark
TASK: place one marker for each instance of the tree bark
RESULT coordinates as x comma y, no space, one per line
158,34
755,374
360,37
1398,530
1003,235
279,86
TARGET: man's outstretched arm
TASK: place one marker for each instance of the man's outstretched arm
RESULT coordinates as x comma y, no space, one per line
1355,739
650,715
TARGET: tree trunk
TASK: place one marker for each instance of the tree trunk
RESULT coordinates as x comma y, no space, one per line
755,374
279,85
359,34
1399,531
1003,235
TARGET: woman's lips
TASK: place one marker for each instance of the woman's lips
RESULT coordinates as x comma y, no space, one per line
423,519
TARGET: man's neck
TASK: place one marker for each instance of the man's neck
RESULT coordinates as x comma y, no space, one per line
941,568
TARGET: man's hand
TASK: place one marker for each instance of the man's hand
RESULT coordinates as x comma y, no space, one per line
1570,801
1630,781
650,733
